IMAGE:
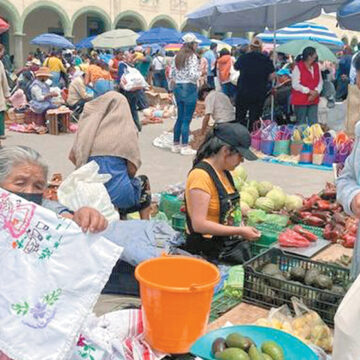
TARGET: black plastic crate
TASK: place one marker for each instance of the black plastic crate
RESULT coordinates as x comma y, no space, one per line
122,280
266,291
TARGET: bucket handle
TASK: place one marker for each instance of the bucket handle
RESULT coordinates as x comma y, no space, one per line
195,287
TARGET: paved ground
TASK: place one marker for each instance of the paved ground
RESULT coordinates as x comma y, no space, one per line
164,168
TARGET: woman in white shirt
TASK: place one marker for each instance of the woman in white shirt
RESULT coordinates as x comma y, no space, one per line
185,73
307,85
158,68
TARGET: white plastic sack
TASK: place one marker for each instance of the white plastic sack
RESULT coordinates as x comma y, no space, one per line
347,326
85,187
234,75
51,276
132,80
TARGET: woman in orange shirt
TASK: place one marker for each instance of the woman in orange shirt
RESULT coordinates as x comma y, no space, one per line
212,200
99,76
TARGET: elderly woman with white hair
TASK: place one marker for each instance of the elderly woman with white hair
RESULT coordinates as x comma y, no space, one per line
23,173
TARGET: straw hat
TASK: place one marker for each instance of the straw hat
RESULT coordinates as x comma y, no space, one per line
43,71
256,43
190,38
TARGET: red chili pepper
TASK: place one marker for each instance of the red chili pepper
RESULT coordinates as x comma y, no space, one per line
305,233
304,214
323,205
314,221
292,239
349,240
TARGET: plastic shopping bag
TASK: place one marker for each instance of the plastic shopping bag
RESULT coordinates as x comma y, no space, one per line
132,80
85,187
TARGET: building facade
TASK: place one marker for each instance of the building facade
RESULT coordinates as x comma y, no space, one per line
77,19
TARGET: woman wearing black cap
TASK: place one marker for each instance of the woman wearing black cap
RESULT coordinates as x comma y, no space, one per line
212,199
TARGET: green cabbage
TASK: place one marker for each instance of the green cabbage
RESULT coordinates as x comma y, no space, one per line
251,190
293,202
265,204
238,183
247,198
253,183
256,216
240,172
278,197
264,187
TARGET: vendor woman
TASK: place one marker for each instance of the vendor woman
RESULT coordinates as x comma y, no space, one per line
212,199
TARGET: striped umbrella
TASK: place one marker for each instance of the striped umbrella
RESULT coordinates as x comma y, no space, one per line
173,47
304,31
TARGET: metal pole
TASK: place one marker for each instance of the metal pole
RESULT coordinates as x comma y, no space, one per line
274,61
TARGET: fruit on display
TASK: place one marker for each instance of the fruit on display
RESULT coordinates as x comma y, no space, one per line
278,196
247,198
239,347
293,202
265,204
252,190
240,172
264,187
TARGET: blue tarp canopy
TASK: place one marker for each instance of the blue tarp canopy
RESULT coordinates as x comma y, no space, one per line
53,40
160,35
349,15
236,41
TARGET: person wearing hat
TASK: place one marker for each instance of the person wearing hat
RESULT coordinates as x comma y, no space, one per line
77,92
41,96
213,202
256,70
185,73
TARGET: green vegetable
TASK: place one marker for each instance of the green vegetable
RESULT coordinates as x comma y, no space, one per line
234,285
278,197
275,219
266,357
235,340
264,187
251,190
293,202
255,354
272,349
265,204
247,198
256,216
240,172
238,183
232,354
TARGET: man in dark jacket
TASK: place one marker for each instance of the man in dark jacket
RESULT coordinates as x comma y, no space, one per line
256,70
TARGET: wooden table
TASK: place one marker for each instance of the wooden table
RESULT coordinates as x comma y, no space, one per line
248,314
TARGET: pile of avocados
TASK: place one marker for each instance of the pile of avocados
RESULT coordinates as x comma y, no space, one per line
238,347
274,288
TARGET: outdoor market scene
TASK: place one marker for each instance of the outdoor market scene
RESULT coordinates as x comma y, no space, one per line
181,192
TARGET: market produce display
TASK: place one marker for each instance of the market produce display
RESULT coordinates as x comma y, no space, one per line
239,347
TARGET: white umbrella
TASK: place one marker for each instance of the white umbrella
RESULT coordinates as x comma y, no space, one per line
115,39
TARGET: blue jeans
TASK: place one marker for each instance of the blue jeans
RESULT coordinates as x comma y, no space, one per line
211,81
186,97
55,79
160,79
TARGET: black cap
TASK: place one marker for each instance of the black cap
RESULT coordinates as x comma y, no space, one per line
237,136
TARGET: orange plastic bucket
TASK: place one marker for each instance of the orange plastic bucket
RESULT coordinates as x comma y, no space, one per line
176,294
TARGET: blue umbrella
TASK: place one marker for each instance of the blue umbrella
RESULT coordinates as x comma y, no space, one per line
53,40
256,15
85,43
349,15
304,31
236,41
160,35
154,47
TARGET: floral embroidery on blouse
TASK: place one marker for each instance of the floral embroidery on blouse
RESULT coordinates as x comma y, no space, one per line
189,74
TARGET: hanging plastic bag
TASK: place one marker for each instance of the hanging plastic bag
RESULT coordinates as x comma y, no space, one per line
234,75
132,80
85,187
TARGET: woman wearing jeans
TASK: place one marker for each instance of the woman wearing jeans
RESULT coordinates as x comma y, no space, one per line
185,73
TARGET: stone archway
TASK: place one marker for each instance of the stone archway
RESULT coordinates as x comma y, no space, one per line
53,19
130,20
89,21
163,21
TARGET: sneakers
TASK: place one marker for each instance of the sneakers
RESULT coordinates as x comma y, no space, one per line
175,148
187,150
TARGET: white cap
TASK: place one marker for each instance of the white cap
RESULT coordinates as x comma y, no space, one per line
190,37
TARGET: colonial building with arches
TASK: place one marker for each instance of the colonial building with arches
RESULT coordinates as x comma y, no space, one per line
76,19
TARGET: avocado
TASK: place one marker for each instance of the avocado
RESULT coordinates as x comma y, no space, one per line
255,354
275,283
323,282
311,275
236,340
298,274
266,357
271,269
272,349
218,346
232,354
